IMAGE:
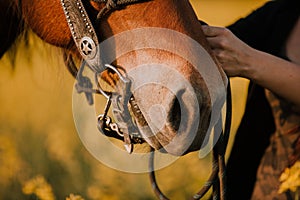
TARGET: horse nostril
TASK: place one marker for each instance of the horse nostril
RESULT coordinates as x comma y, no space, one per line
165,117
174,115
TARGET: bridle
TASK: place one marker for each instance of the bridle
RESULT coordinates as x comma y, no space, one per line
87,43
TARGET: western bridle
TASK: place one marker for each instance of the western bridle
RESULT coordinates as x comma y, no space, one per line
87,43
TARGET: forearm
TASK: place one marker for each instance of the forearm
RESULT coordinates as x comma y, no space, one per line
280,76
238,59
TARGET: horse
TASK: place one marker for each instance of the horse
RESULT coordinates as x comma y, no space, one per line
79,34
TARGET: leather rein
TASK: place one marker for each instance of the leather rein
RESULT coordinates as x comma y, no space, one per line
87,43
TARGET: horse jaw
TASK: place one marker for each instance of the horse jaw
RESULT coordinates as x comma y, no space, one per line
174,103
177,119
176,106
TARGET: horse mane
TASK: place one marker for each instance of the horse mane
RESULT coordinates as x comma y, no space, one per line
18,32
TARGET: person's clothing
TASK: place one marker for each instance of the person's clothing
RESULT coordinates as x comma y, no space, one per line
255,145
278,155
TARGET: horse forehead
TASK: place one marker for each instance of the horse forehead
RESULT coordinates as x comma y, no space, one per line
47,20
43,18
177,15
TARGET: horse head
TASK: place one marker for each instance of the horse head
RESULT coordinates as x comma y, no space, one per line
168,87
174,98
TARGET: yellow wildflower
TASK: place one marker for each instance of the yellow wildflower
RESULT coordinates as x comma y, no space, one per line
39,186
74,197
290,178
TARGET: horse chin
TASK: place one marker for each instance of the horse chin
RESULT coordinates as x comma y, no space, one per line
169,118
170,133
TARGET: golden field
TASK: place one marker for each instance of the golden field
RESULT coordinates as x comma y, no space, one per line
41,156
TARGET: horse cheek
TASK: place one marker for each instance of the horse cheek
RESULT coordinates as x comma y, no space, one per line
47,20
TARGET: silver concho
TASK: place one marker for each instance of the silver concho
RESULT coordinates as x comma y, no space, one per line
87,48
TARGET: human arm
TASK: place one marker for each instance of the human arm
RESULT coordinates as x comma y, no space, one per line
238,59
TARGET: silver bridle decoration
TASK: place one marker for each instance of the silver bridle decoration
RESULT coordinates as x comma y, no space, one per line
83,33
86,41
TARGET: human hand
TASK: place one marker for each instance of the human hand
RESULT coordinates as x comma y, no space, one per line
233,54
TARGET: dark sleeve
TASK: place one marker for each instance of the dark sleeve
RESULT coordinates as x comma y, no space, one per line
250,142
256,27
257,125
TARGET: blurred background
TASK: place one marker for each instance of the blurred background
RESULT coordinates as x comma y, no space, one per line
41,156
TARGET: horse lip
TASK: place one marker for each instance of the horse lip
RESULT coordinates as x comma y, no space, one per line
142,125
174,129
147,135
